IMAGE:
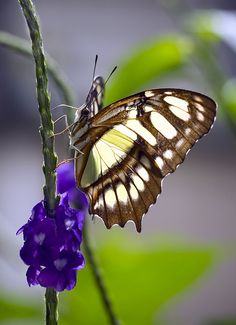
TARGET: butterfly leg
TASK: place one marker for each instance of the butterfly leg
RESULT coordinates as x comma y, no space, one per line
65,161
76,149
60,118
66,129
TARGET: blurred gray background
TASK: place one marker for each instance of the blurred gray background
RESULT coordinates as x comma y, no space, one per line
198,201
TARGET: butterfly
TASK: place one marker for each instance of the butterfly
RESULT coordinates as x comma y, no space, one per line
123,151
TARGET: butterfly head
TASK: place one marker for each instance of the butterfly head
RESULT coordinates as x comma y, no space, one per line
91,107
94,99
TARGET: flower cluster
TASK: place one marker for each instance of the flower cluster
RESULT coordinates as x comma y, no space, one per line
52,245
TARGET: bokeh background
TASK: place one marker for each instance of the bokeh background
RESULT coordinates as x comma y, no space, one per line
181,269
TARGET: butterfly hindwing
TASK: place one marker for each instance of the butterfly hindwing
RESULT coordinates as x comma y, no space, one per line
131,145
125,188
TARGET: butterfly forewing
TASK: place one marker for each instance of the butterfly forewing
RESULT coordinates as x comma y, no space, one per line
131,145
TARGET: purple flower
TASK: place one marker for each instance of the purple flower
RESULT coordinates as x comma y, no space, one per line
70,224
61,273
66,183
41,242
32,274
52,245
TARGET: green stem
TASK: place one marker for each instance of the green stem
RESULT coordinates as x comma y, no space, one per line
23,47
51,302
47,134
98,279
47,129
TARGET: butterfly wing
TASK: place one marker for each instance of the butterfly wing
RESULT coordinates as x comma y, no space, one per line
135,143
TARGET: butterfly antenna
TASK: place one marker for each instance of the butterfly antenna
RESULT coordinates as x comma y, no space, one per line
95,65
111,73
109,76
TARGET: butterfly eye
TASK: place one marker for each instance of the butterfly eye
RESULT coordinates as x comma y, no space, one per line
85,112
83,115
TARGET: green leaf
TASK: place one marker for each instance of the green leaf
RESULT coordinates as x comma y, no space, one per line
140,280
148,61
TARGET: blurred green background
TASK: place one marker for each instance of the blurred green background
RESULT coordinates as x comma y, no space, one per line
181,269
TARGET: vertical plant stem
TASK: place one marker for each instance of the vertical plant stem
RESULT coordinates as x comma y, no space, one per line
47,135
51,302
46,129
98,279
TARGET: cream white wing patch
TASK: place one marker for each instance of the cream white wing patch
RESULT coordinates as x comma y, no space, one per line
159,162
141,131
131,145
110,198
177,102
180,113
163,125
105,156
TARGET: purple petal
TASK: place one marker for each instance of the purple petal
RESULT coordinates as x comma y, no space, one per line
48,229
66,183
48,277
61,282
19,231
81,264
78,199
41,232
71,279
64,201
80,219
69,260
38,211
29,253
69,224
32,274
48,254
65,177
76,261
72,240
